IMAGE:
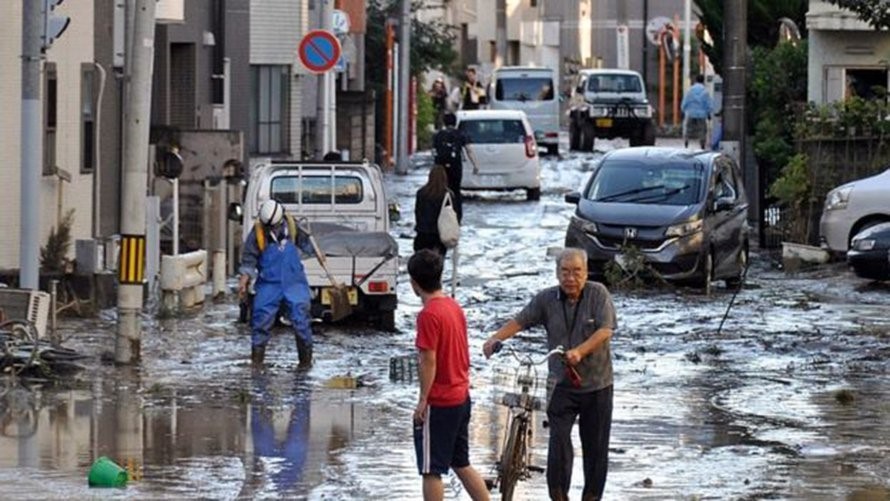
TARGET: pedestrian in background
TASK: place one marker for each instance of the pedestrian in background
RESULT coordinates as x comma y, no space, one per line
578,315
472,92
697,109
439,96
442,415
427,205
449,144
270,257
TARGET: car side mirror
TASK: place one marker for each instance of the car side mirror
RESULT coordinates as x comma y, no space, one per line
573,197
235,213
723,204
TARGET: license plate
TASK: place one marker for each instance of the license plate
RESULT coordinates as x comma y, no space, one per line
490,180
352,292
604,122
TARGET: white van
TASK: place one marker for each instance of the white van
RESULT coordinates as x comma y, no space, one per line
532,90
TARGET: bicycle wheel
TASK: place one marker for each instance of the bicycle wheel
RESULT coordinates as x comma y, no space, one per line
513,459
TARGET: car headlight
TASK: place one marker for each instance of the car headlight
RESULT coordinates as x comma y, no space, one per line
599,111
837,199
583,224
643,111
864,244
684,229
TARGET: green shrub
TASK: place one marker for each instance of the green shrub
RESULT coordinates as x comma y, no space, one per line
54,256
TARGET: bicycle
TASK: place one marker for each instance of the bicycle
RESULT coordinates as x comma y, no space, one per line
513,464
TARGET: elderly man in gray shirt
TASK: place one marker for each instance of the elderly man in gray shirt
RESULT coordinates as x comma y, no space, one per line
578,315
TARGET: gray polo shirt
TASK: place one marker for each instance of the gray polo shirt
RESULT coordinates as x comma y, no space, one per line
570,326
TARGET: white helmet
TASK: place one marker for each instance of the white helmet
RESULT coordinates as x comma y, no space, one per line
271,213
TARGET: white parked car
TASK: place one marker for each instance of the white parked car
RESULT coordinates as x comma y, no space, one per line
530,90
503,142
853,207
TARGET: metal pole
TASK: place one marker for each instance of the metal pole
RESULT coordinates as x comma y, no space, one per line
687,47
388,125
404,83
175,217
323,134
500,21
31,146
137,110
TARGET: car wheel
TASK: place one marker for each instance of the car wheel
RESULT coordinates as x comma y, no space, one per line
386,321
635,140
574,136
587,137
553,149
706,274
742,264
648,136
533,194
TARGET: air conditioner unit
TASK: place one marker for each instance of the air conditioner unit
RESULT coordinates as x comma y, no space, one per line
19,304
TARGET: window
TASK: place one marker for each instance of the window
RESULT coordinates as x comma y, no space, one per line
647,183
494,131
614,83
50,111
524,89
724,181
270,90
317,190
87,118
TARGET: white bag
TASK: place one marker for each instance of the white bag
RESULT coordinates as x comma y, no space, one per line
449,227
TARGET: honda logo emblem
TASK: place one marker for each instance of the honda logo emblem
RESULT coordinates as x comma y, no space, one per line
630,233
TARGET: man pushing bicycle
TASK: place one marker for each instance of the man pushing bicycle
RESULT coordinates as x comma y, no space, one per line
579,315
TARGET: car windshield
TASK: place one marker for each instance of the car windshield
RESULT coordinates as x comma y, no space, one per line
671,183
524,89
614,83
496,131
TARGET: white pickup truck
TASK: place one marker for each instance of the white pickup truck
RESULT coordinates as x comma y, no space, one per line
344,205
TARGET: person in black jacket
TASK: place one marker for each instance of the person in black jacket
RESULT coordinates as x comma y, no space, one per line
427,205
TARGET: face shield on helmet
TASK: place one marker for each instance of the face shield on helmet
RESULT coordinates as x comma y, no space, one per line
271,213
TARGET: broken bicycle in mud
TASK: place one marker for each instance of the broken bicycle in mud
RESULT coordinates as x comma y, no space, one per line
514,463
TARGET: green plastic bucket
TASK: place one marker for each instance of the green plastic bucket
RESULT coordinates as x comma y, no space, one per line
106,473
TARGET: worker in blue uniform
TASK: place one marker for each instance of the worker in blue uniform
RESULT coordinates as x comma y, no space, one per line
271,259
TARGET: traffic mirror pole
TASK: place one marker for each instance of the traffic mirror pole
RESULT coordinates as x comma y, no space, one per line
137,111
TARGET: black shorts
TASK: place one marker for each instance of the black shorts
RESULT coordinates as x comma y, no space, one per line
442,441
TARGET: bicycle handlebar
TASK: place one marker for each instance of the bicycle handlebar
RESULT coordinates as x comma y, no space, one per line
527,359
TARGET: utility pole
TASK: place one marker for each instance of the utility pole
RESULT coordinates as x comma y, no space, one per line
500,33
137,111
32,146
404,83
687,48
323,111
735,38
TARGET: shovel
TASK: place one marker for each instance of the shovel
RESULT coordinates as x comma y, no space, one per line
340,307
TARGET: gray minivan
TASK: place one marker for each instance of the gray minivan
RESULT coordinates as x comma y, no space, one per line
532,90
686,211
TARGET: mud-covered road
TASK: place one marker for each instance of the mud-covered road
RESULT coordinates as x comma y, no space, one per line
791,400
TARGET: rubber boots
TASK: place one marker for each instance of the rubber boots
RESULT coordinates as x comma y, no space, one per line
304,352
257,354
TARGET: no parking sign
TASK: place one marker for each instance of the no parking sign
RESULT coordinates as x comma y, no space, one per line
319,51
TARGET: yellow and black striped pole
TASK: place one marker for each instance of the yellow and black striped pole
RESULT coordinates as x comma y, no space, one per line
131,266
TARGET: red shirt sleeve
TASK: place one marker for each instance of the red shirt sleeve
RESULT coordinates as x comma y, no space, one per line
427,331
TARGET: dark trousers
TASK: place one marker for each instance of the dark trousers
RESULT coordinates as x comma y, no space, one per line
594,413
429,241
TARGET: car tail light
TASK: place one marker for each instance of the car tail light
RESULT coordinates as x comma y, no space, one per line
531,148
551,134
378,287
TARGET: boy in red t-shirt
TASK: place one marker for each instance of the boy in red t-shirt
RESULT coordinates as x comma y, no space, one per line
442,415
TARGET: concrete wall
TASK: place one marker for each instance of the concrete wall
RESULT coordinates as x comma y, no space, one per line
73,49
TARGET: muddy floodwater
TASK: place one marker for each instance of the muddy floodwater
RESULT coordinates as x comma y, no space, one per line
790,400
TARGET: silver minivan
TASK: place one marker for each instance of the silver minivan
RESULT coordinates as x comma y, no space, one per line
533,91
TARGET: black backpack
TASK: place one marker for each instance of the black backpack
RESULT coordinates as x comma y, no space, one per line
447,146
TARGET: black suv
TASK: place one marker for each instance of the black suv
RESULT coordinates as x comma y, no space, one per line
685,211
